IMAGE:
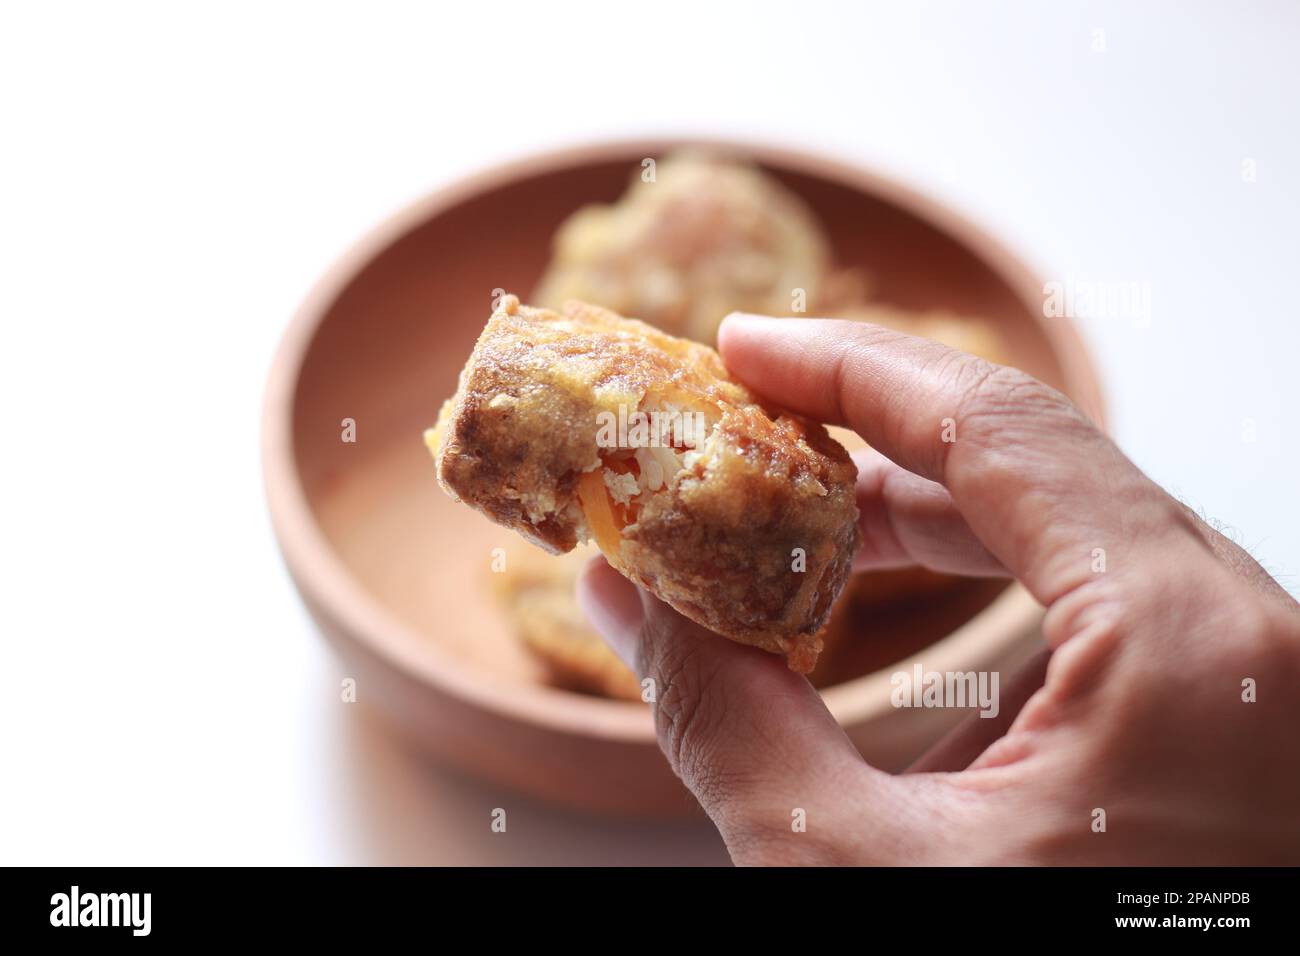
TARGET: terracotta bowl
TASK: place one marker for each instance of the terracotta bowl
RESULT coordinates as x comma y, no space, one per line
394,572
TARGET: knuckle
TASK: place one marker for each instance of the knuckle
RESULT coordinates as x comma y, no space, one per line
1224,543
1006,418
1265,633
1077,671
988,394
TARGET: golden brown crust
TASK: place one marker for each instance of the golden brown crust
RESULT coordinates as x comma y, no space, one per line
753,536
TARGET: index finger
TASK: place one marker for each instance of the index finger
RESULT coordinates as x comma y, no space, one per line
1039,484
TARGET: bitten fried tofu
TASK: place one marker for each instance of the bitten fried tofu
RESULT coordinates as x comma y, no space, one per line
706,237
582,425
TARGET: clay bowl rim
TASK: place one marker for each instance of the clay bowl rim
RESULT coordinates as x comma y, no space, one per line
325,582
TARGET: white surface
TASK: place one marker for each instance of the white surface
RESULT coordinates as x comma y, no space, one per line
172,182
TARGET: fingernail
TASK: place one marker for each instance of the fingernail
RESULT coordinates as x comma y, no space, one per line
613,608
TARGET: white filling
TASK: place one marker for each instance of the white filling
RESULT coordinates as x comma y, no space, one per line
661,466
622,488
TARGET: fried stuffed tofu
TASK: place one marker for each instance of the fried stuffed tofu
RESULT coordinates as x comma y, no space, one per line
581,425
535,589
708,236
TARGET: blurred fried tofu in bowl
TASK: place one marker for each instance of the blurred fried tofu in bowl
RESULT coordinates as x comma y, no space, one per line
465,633
711,236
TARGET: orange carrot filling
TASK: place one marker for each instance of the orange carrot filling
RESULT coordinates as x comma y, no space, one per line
606,516
597,506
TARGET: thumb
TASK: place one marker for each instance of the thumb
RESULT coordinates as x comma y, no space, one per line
752,740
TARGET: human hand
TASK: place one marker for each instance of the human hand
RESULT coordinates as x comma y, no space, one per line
1136,707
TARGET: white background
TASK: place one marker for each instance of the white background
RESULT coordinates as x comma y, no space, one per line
174,178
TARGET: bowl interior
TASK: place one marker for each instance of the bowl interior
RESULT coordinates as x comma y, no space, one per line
389,345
